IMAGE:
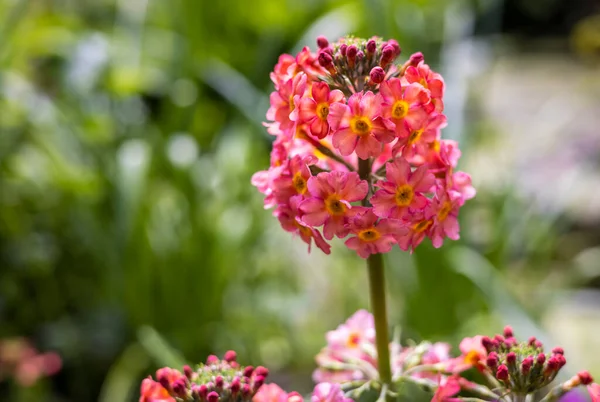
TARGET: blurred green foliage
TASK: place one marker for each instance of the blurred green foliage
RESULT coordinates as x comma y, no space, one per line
130,235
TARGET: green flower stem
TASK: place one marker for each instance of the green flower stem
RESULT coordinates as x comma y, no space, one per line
378,307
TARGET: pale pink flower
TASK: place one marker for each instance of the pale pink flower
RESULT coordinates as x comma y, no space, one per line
358,125
289,218
285,69
282,101
314,110
328,392
357,330
403,106
442,156
329,204
152,391
473,354
449,387
270,393
371,236
594,390
402,192
461,183
430,80
445,206
337,376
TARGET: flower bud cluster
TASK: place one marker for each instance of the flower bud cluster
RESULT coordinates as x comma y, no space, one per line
358,152
522,367
218,380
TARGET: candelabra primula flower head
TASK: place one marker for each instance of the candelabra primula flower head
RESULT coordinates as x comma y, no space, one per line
358,149
218,380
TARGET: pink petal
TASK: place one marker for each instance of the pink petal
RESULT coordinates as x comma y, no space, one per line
367,146
383,202
338,116
398,171
320,91
354,103
422,180
307,109
345,141
336,96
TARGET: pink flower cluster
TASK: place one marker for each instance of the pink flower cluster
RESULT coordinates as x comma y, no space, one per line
21,361
323,392
358,149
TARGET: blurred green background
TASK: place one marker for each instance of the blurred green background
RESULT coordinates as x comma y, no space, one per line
131,238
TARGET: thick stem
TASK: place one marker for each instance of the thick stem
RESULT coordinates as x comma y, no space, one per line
378,306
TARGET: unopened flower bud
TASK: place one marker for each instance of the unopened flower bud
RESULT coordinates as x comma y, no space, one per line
262,371
187,370
387,56
394,44
212,397
540,359
585,378
511,358
164,381
499,339
179,387
551,365
508,332
258,382
526,365
343,49
510,342
532,341
203,391
360,55
502,373
230,356
538,344
371,46
246,391
325,59
558,351
196,391
377,75
351,54
248,370
212,359
492,360
487,343
415,59
219,382
322,42
561,361
236,385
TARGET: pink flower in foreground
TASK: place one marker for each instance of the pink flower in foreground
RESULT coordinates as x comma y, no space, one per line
332,193
358,125
270,393
431,81
358,329
293,178
594,390
402,192
449,386
473,354
445,205
289,217
315,110
152,391
371,236
328,392
282,101
403,106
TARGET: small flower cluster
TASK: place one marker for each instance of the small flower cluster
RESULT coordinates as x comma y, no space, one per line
358,149
323,392
216,381
21,361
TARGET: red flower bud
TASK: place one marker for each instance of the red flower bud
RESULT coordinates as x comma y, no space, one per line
541,358
508,332
212,359
219,382
235,385
325,59
585,377
387,55
492,360
351,52
212,397
230,356
322,42
343,49
558,351
532,341
371,46
415,59
377,75
262,371
511,358
526,365
487,343
248,370
502,373
187,370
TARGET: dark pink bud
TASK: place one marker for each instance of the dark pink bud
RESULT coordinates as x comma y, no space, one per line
262,371
492,360
236,385
351,52
246,391
179,387
248,370
230,356
508,332
325,59
195,391
585,377
561,361
212,359
511,358
258,382
187,370
540,359
526,365
502,373
371,46
558,351
322,42
532,341
387,55
499,339
360,55
343,49
415,59
538,344
212,396
203,391
219,382
164,381
552,365
486,342
394,44
377,75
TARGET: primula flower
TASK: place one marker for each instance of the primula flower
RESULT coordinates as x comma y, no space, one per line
372,237
431,81
151,391
289,217
473,355
282,100
594,390
420,134
445,205
273,393
314,110
402,192
332,193
358,329
293,178
417,229
358,125
403,106
328,392
449,386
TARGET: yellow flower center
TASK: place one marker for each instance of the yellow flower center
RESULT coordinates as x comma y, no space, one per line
404,195
414,136
435,146
360,125
353,340
400,109
291,103
422,226
305,230
299,183
322,111
334,206
370,234
423,82
444,211
472,357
